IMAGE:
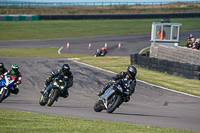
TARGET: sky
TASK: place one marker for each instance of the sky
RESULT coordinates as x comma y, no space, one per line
98,0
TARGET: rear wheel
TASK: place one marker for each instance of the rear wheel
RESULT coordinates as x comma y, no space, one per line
97,107
42,103
113,103
2,95
52,97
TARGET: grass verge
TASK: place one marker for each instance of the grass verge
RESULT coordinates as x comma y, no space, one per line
26,30
11,121
116,64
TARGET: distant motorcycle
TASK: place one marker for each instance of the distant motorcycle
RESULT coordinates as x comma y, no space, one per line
100,53
113,97
6,86
58,85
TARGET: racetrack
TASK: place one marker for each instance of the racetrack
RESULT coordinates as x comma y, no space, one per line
149,105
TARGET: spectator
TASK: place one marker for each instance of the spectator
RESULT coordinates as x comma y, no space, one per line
196,44
189,43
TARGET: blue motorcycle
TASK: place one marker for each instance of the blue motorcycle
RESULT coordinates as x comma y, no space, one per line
6,86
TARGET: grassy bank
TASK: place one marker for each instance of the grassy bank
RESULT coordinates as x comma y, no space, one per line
25,30
11,121
101,8
116,64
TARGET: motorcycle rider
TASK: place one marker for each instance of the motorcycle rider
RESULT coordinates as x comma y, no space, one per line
65,71
129,75
14,72
102,52
2,70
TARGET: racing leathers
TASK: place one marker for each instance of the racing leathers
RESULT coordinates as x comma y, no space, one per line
102,52
68,77
2,72
121,75
18,77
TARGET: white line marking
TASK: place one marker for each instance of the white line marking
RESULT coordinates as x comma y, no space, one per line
59,50
143,50
137,80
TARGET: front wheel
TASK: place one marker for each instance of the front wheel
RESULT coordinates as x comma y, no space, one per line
2,95
41,102
114,102
52,97
97,107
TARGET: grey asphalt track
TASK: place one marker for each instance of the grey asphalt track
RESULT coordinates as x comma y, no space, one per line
132,43
149,105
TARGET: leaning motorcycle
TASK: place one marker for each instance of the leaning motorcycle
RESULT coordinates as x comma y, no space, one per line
6,86
99,53
58,85
113,97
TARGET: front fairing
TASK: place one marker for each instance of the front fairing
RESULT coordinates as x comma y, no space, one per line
7,81
59,83
3,83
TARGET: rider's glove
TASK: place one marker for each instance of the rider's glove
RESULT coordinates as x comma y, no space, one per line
48,79
18,82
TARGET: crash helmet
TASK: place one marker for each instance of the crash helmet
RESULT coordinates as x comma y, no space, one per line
1,66
103,48
15,68
131,71
65,68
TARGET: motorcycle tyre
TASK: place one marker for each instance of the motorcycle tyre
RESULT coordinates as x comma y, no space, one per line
97,108
41,102
53,97
115,105
2,96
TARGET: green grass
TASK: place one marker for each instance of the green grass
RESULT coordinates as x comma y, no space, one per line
11,121
25,30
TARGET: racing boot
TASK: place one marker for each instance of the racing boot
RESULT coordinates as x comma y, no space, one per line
42,91
127,99
107,85
102,91
66,94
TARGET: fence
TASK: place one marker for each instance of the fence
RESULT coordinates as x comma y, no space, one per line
98,7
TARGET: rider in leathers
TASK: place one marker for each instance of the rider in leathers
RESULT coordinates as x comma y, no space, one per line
129,75
68,76
17,75
2,69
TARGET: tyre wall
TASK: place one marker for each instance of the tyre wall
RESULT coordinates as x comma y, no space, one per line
186,70
18,17
118,16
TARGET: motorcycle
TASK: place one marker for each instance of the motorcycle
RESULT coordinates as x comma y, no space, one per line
6,86
113,97
58,85
100,53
